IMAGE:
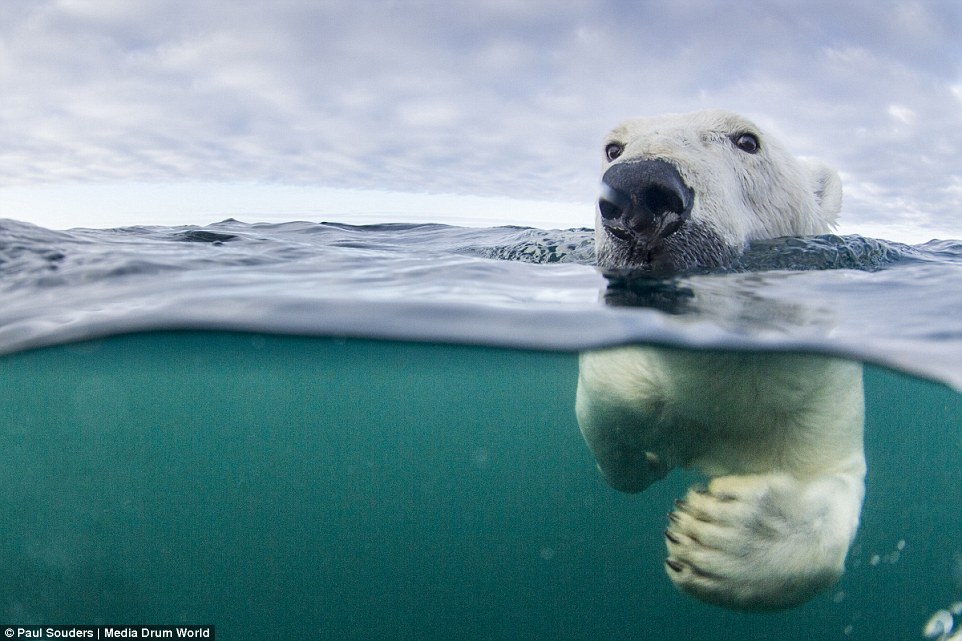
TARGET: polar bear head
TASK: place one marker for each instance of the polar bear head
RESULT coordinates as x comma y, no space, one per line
689,191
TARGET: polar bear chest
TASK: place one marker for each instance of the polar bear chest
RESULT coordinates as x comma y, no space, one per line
726,413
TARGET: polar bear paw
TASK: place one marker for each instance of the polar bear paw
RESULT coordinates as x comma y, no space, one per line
761,542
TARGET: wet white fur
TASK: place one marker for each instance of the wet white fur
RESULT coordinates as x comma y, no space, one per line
741,196
779,435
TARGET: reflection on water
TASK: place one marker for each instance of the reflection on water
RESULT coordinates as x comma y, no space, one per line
850,296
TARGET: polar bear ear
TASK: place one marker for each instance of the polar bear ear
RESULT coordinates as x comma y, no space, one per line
827,188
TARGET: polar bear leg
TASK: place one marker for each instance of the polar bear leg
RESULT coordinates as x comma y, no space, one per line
763,542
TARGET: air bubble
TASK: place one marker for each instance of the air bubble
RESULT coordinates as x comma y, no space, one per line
939,625
480,457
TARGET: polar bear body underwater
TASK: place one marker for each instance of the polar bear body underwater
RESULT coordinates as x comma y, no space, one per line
779,435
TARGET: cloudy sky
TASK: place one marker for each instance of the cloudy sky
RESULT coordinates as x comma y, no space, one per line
173,111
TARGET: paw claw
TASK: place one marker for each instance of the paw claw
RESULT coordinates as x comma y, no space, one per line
727,544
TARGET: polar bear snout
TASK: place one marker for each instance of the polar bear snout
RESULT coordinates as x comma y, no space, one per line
643,201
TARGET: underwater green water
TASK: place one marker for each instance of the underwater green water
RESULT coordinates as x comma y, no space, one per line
312,488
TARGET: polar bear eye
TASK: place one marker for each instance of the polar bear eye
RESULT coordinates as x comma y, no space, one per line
613,150
747,143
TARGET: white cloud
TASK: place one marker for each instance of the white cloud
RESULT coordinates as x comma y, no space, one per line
902,114
490,98
956,91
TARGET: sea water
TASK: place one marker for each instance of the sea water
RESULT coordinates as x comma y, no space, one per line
308,431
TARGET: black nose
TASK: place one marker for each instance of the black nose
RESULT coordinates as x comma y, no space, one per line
644,198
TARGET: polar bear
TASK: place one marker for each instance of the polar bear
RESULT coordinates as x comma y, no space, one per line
778,435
